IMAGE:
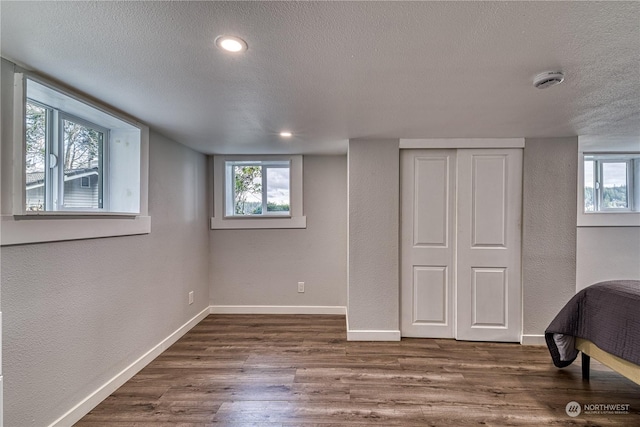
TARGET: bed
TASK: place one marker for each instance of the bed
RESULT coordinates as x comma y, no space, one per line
601,321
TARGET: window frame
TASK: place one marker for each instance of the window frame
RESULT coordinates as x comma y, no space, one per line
220,218
265,166
599,167
20,226
56,147
608,217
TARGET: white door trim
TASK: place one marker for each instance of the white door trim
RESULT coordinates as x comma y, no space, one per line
453,143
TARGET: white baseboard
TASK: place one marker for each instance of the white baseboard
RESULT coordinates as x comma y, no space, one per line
1,402
276,309
532,340
91,401
365,335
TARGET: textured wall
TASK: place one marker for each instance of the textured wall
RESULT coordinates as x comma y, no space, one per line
607,253
549,229
76,313
374,198
263,267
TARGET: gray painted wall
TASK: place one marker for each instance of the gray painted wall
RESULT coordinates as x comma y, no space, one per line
263,267
549,232
77,313
549,229
607,253
374,199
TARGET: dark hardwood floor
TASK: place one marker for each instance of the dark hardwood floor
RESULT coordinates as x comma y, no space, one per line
273,370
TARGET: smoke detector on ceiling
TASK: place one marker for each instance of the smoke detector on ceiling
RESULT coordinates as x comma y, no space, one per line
547,79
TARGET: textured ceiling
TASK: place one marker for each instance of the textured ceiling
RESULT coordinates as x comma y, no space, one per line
330,71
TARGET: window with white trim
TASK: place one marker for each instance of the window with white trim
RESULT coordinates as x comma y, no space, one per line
78,169
610,183
77,158
258,192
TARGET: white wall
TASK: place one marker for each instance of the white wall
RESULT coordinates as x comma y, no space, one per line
76,313
374,199
549,233
263,267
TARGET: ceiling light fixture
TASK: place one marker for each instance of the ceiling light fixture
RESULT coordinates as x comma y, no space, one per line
548,79
231,44
286,134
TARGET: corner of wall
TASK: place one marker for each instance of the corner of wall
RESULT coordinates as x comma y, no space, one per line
373,246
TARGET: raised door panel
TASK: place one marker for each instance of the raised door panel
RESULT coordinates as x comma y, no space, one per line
427,247
488,284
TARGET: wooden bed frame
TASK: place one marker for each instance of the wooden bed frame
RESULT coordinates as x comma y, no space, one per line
623,367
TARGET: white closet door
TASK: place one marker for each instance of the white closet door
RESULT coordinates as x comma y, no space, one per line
489,245
427,243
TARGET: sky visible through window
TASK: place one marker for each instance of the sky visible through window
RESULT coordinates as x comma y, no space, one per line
616,174
278,188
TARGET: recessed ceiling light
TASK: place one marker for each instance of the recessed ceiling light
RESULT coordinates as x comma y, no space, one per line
286,134
231,44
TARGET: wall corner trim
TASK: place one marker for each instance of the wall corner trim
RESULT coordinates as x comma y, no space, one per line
277,309
533,339
87,404
372,335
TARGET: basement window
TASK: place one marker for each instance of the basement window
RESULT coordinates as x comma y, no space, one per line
77,158
610,183
79,169
608,189
257,188
258,192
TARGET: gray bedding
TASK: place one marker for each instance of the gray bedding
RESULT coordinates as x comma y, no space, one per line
607,314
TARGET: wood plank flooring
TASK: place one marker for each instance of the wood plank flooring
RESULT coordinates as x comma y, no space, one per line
295,370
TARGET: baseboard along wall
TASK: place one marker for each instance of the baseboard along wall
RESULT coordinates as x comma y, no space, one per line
532,339
86,405
277,309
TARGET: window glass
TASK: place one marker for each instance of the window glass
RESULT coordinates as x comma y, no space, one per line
247,190
614,185
35,162
258,188
278,190
589,190
82,158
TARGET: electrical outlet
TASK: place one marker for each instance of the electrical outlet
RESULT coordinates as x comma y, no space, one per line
190,297
300,287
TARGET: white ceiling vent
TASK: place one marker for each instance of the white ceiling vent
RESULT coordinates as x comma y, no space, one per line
547,79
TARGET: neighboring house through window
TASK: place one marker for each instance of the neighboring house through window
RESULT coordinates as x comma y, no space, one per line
76,159
63,152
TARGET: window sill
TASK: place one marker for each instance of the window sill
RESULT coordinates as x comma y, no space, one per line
39,229
258,223
609,219
69,214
